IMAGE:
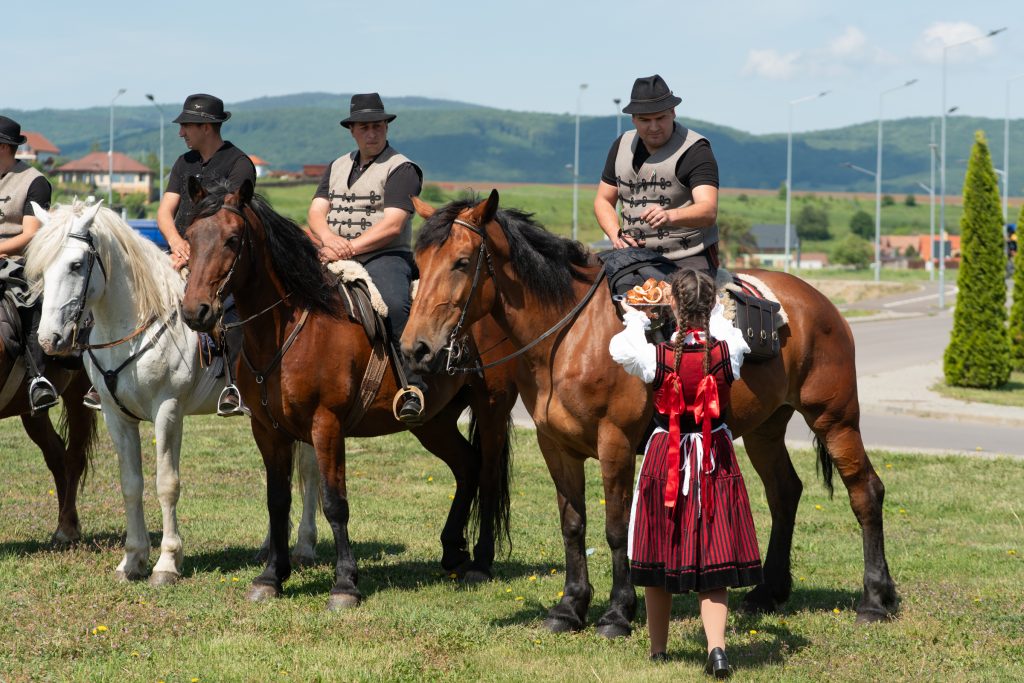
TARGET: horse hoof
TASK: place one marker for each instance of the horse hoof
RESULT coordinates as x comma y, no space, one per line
260,592
163,579
122,577
560,625
612,631
342,601
474,577
872,616
62,541
758,603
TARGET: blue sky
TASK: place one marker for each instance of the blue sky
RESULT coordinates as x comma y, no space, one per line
734,63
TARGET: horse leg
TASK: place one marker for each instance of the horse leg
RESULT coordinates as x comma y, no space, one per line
766,448
441,437
570,614
168,427
617,468
40,430
304,551
79,429
276,449
125,435
330,451
839,431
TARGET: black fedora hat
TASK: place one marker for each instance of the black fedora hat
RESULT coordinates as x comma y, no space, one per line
365,109
202,108
10,132
650,95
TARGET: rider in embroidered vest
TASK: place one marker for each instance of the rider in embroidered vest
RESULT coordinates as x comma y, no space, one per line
209,159
666,178
20,184
362,210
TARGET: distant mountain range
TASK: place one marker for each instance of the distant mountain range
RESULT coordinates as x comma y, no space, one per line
456,141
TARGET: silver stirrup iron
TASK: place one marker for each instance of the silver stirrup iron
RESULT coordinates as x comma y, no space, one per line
225,409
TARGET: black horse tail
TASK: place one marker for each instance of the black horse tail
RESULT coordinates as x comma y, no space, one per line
825,466
495,512
85,427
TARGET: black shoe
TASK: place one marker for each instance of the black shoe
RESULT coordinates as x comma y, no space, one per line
718,664
41,394
411,410
229,404
92,399
660,657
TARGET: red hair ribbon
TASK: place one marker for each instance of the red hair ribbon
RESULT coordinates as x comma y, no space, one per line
669,400
706,408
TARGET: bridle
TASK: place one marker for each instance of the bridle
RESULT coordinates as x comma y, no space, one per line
458,347
92,258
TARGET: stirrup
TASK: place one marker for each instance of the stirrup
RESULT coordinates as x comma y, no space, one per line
228,408
46,384
401,396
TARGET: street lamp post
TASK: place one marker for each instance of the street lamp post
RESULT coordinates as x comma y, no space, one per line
789,169
161,110
942,166
878,181
1006,153
576,166
932,152
110,151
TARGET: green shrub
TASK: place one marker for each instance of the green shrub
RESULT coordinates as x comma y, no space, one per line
978,354
812,222
863,225
852,251
1017,311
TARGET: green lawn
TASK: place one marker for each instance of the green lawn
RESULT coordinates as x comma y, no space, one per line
955,545
1010,394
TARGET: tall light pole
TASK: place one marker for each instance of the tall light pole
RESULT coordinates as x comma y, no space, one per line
576,166
942,166
110,151
933,150
878,181
1006,153
618,117
161,110
789,169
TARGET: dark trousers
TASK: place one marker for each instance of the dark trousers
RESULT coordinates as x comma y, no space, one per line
706,261
392,273
30,328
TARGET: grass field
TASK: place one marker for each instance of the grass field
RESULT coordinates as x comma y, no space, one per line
955,543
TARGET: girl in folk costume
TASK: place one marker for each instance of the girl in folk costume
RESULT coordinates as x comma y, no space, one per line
690,528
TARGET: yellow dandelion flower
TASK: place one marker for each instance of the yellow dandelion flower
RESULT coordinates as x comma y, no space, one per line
101,628
603,501
453,575
135,653
195,680
536,642
430,479
283,672
835,610
533,578
50,492
234,579
818,507
519,598
803,578
508,590
561,593
542,553
94,631
554,571
902,511
451,496
977,599
154,440
1011,552
753,632
888,465
222,579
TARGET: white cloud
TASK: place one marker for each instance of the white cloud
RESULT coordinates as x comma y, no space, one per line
771,64
930,44
851,43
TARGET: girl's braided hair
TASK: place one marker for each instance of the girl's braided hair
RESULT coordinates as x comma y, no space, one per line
693,297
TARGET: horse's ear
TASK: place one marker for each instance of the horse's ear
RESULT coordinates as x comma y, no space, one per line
90,212
40,213
484,212
196,191
422,208
245,192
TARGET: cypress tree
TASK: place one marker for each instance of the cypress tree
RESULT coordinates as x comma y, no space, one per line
978,354
1017,310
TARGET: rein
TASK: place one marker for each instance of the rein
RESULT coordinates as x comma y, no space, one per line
107,345
457,347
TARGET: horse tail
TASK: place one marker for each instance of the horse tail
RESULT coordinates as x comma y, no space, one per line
500,515
85,427
825,466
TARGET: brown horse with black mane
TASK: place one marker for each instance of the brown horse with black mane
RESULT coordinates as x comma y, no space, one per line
476,261
311,358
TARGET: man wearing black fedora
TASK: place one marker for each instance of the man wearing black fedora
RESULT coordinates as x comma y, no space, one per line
362,210
20,185
666,177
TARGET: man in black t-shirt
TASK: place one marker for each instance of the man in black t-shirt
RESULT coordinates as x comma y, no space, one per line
209,159
667,180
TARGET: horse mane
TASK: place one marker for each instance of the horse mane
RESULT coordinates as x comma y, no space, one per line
296,259
545,263
157,286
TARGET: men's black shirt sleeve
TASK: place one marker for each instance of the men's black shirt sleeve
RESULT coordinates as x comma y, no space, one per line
696,167
176,179
404,183
323,190
40,192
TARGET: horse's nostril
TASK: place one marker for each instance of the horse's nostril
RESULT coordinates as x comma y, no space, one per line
204,310
421,352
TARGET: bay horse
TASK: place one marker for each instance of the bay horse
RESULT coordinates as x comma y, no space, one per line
87,259
311,359
547,294
66,450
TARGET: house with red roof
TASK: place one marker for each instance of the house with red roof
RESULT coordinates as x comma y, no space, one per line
262,165
94,170
37,148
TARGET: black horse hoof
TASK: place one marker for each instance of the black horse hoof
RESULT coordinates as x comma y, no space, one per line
261,592
872,616
560,625
475,576
338,602
758,602
612,631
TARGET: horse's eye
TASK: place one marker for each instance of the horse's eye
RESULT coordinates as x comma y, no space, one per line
232,242
461,264
75,266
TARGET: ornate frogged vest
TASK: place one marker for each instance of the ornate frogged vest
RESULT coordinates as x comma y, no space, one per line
354,209
13,193
656,183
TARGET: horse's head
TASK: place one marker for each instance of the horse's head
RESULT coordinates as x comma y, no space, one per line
456,285
217,238
63,258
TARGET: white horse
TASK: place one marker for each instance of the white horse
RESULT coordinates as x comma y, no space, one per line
143,360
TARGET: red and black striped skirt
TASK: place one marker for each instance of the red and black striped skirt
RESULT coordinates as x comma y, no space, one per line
681,549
